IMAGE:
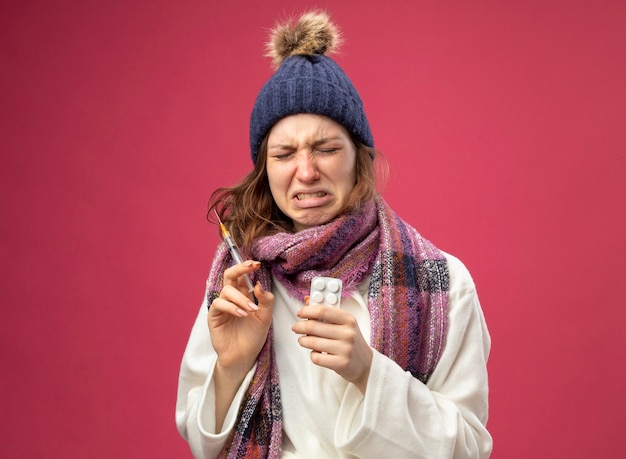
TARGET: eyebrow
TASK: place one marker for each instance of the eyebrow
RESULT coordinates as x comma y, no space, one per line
315,143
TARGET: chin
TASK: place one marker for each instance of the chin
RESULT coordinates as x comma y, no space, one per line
302,224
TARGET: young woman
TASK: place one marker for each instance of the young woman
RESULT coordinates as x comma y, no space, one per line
399,368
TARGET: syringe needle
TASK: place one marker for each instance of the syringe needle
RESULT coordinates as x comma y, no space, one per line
234,250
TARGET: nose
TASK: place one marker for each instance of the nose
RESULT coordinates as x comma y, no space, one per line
306,167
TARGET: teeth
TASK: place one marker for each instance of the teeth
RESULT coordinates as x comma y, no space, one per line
302,196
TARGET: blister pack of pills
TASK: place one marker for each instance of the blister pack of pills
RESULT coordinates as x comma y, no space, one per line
326,290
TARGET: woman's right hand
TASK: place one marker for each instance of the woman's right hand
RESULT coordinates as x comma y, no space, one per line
238,332
239,327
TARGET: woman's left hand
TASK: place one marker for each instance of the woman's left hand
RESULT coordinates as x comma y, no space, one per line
336,342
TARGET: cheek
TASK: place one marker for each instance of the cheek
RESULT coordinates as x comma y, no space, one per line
348,175
276,182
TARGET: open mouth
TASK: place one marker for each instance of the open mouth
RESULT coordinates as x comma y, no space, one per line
301,196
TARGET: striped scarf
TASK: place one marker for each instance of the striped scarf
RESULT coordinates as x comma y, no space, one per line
407,302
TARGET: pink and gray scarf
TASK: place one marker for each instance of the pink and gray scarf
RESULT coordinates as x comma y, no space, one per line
407,302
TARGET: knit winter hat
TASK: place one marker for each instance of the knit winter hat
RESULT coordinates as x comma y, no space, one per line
307,81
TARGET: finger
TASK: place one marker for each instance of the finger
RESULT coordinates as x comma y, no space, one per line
236,298
265,298
313,327
265,301
318,344
323,313
221,306
333,361
233,275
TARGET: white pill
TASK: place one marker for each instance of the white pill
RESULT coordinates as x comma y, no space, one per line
319,284
317,297
331,299
333,286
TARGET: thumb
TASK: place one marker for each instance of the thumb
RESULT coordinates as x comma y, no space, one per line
265,299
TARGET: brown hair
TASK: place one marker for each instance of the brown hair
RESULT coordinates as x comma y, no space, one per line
248,209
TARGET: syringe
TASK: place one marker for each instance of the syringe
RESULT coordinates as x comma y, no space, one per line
234,250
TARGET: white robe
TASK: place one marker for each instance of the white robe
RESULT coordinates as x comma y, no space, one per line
326,417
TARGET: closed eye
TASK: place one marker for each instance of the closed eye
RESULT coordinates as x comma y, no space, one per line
281,156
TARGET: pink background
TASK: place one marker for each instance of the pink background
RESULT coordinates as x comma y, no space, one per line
503,121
